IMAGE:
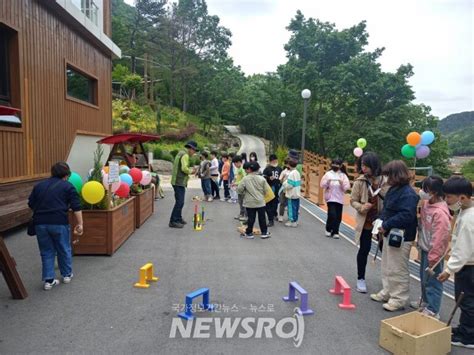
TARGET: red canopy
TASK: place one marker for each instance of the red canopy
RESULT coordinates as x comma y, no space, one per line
128,138
6,110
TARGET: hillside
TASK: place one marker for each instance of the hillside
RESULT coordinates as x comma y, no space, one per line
458,128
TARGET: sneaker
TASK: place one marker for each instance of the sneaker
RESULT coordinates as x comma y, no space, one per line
392,307
176,225
224,199
210,199
335,236
237,217
243,218
266,235
361,286
416,305
280,219
457,340
49,285
270,224
294,224
67,279
247,236
327,234
377,297
289,223
429,313
183,222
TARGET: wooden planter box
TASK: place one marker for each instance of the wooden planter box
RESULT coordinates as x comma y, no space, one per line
144,206
415,334
106,231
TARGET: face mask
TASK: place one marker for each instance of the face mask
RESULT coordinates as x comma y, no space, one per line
252,159
455,206
425,195
274,165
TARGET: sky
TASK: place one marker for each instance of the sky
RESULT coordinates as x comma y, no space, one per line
435,36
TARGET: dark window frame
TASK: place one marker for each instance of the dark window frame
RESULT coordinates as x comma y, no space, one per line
5,37
93,86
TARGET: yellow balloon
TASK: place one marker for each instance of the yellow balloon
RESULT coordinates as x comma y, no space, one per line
93,192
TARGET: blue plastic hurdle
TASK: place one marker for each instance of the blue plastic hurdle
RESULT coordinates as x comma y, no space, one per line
188,313
294,286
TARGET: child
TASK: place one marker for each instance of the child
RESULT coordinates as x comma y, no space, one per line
272,175
433,241
225,176
215,175
458,193
335,183
292,187
282,196
239,175
232,191
253,188
204,174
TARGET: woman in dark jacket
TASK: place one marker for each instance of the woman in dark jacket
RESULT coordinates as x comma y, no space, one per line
50,201
398,216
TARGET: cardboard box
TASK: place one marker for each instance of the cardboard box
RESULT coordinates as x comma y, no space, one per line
415,334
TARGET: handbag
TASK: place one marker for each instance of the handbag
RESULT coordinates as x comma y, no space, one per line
31,230
396,237
269,194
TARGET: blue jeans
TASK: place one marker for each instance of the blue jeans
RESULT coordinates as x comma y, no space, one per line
54,239
179,194
293,209
433,290
206,187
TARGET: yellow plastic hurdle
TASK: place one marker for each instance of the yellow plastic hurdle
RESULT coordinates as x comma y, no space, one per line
145,274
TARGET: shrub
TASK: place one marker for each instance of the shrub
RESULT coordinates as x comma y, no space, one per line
165,155
157,153
468,170
183,134
281,152
174,152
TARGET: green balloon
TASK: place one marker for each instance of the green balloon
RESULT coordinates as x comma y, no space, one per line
361,143
408,151
76,180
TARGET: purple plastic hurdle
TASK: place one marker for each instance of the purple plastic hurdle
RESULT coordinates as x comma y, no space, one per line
294,286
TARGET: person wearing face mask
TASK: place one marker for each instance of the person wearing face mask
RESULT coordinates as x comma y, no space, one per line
253,157
366,198
272,174
335,183
458,194
433,241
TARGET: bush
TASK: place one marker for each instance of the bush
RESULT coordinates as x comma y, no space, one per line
165,155
281,152
157,153
194,160
174,152
183,134
468,170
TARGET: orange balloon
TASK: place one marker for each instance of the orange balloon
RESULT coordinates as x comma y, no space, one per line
106,169
414,138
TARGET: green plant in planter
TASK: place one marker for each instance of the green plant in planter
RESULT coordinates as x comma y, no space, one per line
136,189
96,175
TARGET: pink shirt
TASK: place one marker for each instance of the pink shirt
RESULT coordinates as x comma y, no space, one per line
333,189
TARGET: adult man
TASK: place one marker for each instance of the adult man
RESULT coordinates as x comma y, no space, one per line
179,181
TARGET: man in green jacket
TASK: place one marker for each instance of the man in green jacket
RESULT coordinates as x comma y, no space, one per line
179,181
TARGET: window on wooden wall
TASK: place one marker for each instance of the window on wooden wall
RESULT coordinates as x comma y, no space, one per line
10,100
81,86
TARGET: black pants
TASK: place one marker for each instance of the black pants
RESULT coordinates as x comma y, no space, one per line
464,282
262,220
215,188
179,194
363,254
272,208
334,217
226,189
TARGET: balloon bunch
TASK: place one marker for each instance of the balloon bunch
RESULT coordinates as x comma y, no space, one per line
93,192
417,145
359,150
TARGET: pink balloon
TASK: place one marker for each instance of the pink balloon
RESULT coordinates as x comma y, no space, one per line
146,178
358,152
105,182
422,152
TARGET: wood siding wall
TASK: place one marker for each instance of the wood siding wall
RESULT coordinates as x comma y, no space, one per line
50,120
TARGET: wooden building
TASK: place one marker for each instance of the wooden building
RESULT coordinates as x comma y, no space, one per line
55,92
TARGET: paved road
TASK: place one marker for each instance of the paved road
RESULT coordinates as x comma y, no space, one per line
250,144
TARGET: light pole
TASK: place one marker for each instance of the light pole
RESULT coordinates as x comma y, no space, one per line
282,115
305,94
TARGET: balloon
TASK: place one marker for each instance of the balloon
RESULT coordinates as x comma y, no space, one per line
361,143
422,152
123,191
93,192
408,151
126,178
146,179
358,152
105,182
105,169
427,137
136,175
76,180
124,169
413,138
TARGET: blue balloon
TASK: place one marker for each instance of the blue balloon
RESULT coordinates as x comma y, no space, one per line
427,137
126,178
